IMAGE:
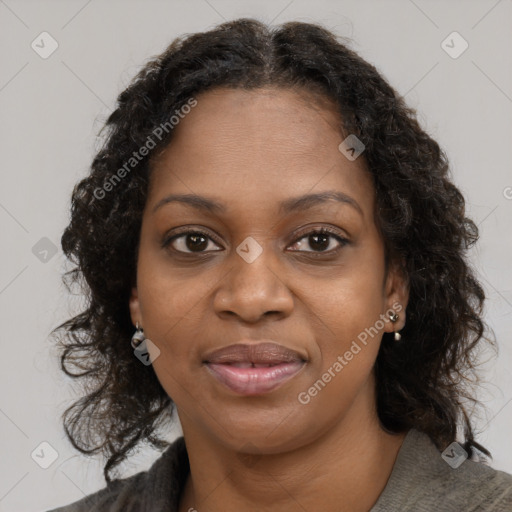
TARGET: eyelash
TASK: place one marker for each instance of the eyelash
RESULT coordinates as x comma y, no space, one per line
315,254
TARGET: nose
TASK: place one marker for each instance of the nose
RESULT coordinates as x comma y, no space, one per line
252,291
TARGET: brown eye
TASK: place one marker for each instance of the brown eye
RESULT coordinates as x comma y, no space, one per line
321,241
191,242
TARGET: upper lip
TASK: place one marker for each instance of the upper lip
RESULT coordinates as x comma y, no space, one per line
263,352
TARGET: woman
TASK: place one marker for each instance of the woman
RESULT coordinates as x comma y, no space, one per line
281,241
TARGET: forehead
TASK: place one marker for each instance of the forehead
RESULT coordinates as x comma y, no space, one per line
259,145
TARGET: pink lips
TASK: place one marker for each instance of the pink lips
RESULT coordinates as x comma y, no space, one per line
254,369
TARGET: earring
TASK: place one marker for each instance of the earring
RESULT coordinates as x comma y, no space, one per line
394,317
138,337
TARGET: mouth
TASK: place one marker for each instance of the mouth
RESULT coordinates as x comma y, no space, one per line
254,369
252,379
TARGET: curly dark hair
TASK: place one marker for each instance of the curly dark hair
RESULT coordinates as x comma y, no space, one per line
421,383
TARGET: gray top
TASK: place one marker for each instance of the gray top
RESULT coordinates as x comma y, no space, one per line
421,481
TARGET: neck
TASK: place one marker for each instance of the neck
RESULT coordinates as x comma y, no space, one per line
343,470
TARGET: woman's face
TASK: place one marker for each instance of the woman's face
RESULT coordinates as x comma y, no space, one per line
259,272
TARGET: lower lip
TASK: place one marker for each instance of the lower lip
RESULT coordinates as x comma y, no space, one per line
254,381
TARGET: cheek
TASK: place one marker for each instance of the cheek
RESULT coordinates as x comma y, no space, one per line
169,309
348,303
349,308
352,311
346,349
172,306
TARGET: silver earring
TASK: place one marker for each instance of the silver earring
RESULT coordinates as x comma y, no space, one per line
138,337
394,317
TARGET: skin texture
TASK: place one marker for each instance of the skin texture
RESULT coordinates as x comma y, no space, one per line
249,150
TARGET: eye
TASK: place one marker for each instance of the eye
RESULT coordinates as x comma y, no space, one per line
199,242
321,240
189,242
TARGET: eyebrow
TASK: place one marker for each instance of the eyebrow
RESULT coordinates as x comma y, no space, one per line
287,206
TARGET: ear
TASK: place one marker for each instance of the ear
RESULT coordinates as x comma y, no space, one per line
134,304
396,294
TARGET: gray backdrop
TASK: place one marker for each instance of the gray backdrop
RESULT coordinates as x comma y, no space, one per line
52,106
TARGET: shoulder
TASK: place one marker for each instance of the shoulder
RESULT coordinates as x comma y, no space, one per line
422,481
118,494
476,485
158,488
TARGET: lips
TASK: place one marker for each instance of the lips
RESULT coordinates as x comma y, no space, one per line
253,369
262,353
